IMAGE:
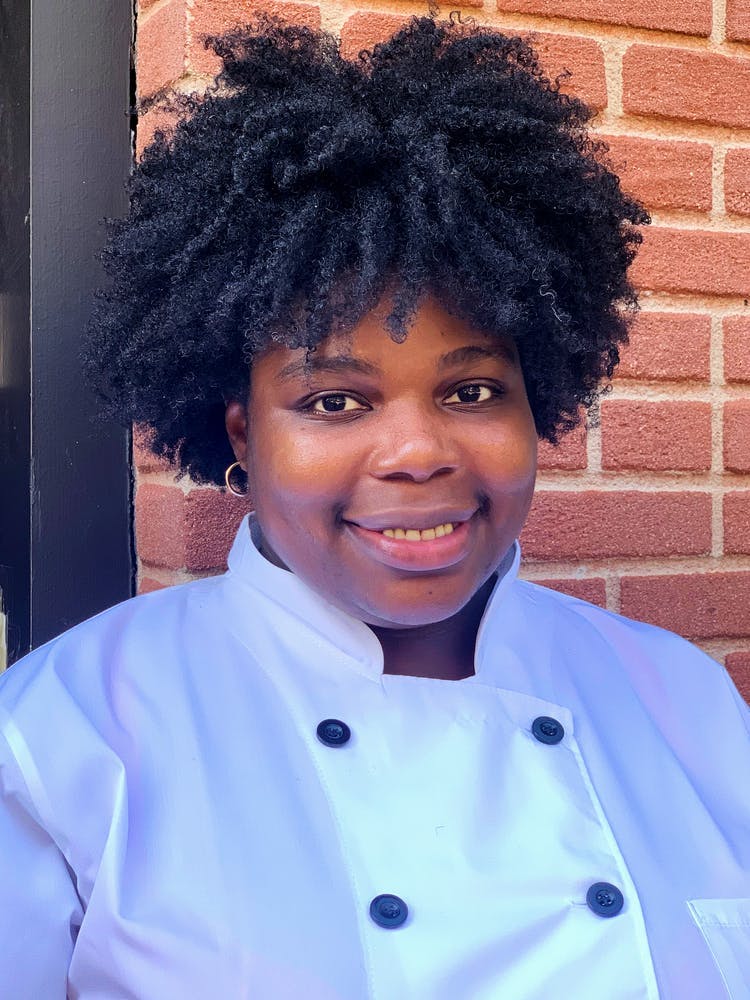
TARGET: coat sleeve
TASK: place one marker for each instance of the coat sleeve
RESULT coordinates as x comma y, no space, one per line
40,911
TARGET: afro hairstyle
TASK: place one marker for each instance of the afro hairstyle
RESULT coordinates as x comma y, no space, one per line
302,185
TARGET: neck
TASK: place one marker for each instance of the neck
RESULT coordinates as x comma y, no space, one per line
444,650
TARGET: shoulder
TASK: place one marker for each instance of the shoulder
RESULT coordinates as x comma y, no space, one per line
660,666
86,658
578,616
72,710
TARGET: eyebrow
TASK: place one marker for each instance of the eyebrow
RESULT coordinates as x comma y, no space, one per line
335,363
474,353
347,363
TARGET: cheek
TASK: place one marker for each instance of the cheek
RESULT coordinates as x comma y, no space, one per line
510,460
294,469
509,474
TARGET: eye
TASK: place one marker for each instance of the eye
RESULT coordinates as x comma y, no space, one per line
473,392
335,402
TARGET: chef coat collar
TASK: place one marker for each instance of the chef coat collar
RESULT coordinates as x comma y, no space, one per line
349,635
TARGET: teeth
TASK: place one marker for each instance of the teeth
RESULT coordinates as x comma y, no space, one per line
413,535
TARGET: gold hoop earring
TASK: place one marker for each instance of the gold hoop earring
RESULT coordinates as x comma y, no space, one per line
228,481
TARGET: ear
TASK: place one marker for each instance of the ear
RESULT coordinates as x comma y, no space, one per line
235,420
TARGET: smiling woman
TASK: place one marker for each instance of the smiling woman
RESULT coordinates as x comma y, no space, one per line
392,477
368,761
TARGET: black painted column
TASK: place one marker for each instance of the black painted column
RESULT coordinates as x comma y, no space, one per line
75,525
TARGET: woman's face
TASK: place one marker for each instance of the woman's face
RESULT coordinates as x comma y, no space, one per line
369,440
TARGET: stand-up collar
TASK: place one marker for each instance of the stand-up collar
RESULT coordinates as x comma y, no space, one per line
301,605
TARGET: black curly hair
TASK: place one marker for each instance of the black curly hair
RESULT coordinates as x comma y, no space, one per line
302,185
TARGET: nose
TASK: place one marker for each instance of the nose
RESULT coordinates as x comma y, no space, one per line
413,443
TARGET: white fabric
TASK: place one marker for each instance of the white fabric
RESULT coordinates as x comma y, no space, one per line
171,827
725,924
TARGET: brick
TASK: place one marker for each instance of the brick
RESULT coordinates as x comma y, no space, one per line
693,260
663,173
698,605
147,585
693,85
365,29
569,453
582,57
737,181
738,665
597,525
593,590
737,435
212,518
214,17
672,435
666,346
148,123
160,525
692,18
143,458
160,47
737,522
738,20
737,348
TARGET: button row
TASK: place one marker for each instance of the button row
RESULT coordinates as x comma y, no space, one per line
391,911
602,898
335,733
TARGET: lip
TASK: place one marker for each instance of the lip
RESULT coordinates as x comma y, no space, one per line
410,517
424,557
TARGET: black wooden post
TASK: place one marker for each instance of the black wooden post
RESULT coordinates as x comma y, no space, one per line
15,344
65,546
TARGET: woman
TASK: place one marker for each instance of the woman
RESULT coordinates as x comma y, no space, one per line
368,761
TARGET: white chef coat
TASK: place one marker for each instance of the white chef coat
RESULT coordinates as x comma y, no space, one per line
172,828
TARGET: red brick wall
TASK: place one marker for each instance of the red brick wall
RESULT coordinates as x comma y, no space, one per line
648,512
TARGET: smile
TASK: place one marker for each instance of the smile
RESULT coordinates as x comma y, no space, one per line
417,535
416,549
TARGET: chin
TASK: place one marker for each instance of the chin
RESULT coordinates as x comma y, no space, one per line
403,614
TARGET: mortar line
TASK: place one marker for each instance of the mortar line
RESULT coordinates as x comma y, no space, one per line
558,24
333,16
189,18
722,647
144,16
718,207
639,481
612,591
680,129
687,220
613,52
593,444
718,22
658,565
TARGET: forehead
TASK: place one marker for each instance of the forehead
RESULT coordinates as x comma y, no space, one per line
436,340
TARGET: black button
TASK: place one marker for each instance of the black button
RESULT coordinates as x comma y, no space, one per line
604,899
388,911
333,732
547,730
